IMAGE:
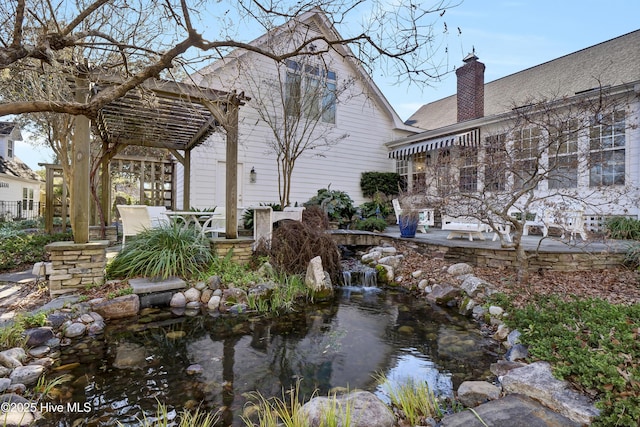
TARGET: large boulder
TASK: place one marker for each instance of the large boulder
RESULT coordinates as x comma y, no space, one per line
117,308
474,393
537,381
317,280
363,407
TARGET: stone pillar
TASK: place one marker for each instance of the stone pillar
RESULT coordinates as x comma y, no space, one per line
262,225
75,265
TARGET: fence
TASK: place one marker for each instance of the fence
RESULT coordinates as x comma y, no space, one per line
21,209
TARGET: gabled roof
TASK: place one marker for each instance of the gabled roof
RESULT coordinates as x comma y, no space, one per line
317,21
16,168
10,129
610,63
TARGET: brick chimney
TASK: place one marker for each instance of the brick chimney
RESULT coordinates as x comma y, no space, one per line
470,88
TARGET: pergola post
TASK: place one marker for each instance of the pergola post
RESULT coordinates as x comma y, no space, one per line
231,193
81,169
186,187
105,184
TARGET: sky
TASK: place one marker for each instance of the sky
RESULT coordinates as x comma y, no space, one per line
508,36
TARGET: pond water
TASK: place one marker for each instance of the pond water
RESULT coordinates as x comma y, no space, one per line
120,376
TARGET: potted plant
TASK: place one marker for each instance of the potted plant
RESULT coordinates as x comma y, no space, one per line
408,222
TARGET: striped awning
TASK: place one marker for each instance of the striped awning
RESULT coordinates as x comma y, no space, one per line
465,139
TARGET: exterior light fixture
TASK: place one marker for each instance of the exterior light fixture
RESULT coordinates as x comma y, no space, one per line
253,175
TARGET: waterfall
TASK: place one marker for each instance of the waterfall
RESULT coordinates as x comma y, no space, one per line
357,275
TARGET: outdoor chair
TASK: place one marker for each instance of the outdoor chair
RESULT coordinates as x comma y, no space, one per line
135,219
158,216
216,223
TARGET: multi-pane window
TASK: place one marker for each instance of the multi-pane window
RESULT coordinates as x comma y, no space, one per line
419,170
468,169
563,157
10,149
495,178
27,198
526,151
310,91
607,145
402,169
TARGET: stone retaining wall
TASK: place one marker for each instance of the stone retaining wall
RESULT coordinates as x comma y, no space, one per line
111,232
75,265
242,249
488,257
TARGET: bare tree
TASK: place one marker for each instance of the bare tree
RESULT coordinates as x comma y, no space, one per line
137,40
549,155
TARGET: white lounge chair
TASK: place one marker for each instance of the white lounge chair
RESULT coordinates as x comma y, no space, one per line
158,216
135,219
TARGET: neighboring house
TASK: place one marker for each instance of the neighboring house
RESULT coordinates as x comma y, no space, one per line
356,121
19,185
600,164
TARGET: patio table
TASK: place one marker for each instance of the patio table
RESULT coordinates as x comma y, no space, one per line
201,220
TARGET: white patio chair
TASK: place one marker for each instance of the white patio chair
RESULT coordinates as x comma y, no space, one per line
573,223
135,219
158,216
425,215
216,223
543,220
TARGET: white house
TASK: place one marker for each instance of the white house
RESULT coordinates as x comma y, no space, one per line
598,164
355,122
19,185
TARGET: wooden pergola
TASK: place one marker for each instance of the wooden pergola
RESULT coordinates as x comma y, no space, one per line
162,114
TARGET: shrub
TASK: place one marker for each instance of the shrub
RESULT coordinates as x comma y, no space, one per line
294,244
163,252
19,248
337,204
315,217
384,182
372,224
623,228
591,343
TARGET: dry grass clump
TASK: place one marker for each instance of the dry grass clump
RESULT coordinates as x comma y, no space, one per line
294,244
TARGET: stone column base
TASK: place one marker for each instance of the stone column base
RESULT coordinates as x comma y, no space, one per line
76,265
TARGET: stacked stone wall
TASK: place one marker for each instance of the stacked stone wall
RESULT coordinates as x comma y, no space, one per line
242,249
75,265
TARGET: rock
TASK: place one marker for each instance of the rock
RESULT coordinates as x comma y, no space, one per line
194,369
214,303
57,319
537,381
192,294
496,311
96,327
263,290
371,257
232,297
473,285
386,275
473,393
317,280
422,284
365,410
266,270
214,282
517,352
47,362
200,286
17,388
14,417
459,269
466,306
26,375
4,371
442,294
175,335
502,367
388,250
392,260
38,336
501,333
119,307
193,305
513,411
514,337
39,351
87,318
75,330
478,312
178,300
146,285
13,357
4,384
130,356
206,296
416,274
96,317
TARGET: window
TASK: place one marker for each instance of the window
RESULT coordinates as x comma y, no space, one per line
607,145
10,148
419,170
494,171
310,91
468,170
563,158
526,150
27,199
402,169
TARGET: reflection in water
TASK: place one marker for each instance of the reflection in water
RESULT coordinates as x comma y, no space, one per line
339,345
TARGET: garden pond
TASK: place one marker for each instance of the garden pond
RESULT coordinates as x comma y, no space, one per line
121,376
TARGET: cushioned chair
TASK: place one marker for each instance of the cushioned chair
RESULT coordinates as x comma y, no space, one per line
135,219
